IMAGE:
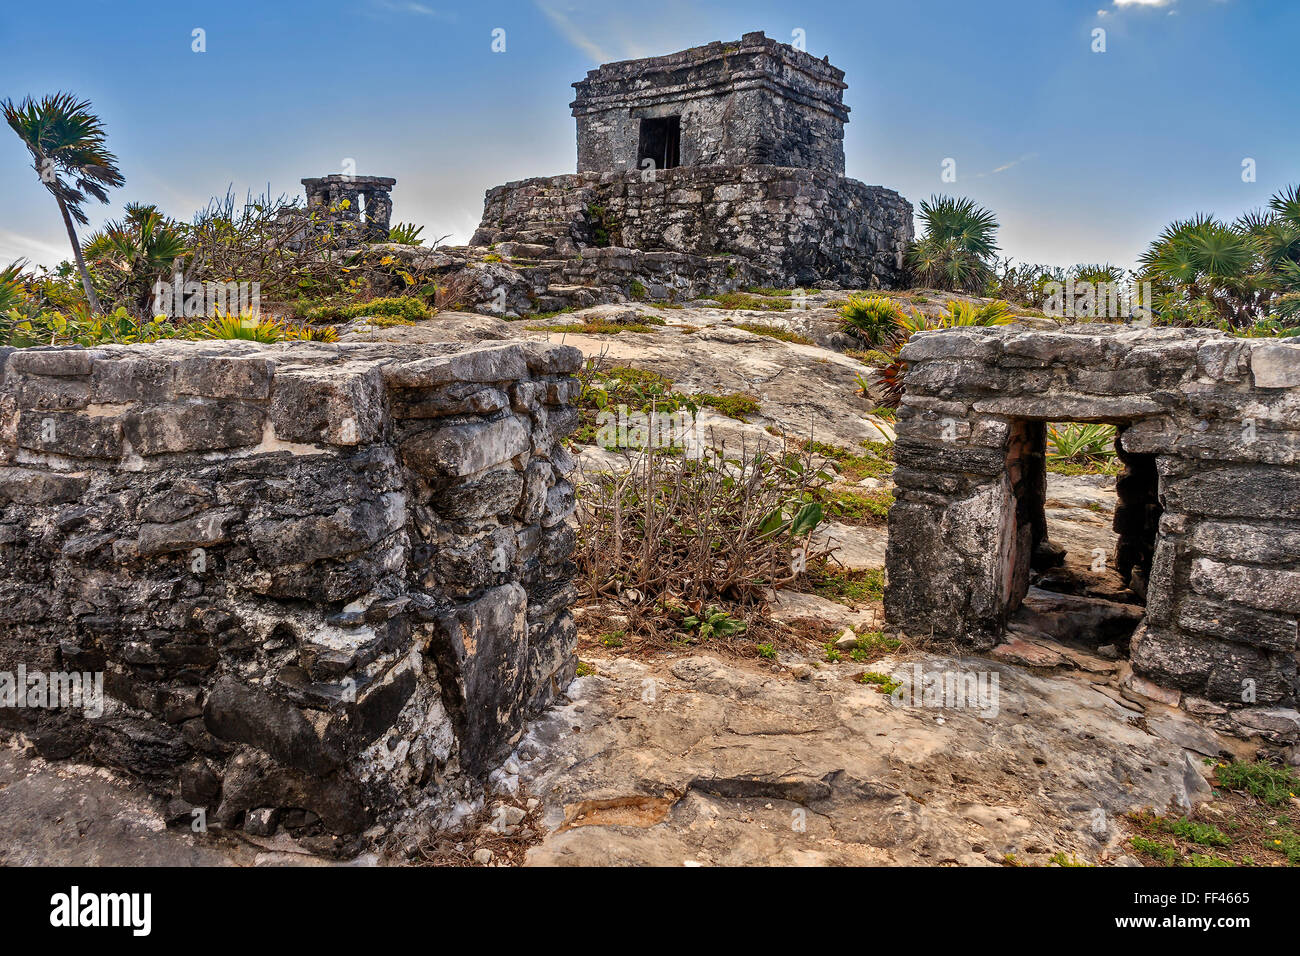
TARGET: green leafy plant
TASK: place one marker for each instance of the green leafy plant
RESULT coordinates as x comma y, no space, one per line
401,307
1275,785
406,234
1080,443
236,327
957,248
873,320
1236,273
714,622
133,253
883,683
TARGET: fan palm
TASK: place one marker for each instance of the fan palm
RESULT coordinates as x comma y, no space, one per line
137,250
957,249
69,151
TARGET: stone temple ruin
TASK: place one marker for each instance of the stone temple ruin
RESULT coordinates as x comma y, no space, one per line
712,168
362,201
1208,519
354,209
323,583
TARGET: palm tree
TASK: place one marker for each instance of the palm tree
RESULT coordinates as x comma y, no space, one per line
956,251
67,140
136,251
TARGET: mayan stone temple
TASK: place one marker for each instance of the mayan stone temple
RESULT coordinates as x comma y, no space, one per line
730,155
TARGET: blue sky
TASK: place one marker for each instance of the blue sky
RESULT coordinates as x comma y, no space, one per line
1083,155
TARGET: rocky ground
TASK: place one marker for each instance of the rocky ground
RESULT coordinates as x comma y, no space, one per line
690,756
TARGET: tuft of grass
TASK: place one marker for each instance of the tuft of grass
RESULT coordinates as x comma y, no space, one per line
875,461
1060,858
601,327
845,586
872,646
1272,784
1163,852
774,332
859,507
734,405
883,683
743,300
585,669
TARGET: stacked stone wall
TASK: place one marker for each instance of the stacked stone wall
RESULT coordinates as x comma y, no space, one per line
788,226
322,583
1218,420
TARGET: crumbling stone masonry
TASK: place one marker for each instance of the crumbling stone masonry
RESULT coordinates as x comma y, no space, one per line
732,152
754,102
1209,498
324,583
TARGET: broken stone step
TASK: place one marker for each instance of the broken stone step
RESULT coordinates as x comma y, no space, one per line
1067,617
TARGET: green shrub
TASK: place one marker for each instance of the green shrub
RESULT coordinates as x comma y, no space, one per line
873,319
1274,785
400,307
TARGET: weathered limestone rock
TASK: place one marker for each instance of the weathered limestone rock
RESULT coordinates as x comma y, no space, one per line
320,583
1209,501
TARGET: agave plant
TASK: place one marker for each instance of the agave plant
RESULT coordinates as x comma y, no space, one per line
69,152
406,234
907,324
960,313
872,319
247,328
957,249
1080,444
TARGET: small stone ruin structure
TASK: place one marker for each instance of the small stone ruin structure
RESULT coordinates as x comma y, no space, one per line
752,103
709,169
352,209
339,199
322,583
1208,517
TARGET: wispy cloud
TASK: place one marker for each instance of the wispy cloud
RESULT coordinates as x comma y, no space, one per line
410,6
1144,3
1005,166
15,245
573,33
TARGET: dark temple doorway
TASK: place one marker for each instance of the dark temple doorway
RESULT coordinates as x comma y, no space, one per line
660,142
1087,515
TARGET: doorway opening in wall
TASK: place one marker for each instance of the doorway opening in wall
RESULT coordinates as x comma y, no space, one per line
660,142
1087,517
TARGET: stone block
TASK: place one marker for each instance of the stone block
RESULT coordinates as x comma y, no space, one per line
197,426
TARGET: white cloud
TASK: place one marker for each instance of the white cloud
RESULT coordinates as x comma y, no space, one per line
14,245
1143,3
